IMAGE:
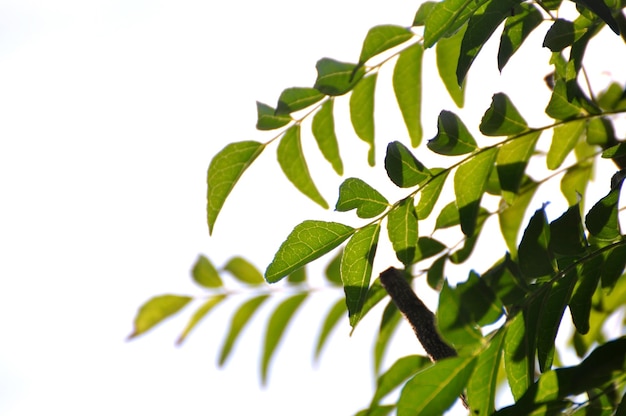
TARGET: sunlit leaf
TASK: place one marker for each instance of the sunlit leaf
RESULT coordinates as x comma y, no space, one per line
403,168
297,276
454,320
407,87
511,163
267,119
502,118
323,128
602,219
422,13
382,38
534,257
375,294
563,141
429,194
362,112
448,216
224,171
599,131
198,315
402,230
615,151
519,354
399,372
505,281
356,194
334,315
452,137
448,50
510,217
600,8
336,78
244,271
559,107
205,274
562,34
447,17
333,270
428,247
575,181
297,98
482,386
308,241
516,29
155,310
239,320
276,326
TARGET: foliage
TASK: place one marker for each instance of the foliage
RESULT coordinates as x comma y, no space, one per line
503,320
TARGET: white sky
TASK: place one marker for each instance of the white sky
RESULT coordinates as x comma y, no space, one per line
110,112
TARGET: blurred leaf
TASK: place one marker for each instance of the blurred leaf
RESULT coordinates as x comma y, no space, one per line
575,181
402,230
198,315
610,98
502,118
482,385
155,310
464,252
293,164
435,275
448,50
422,13
427,247
430,192
407,87
563,141
454,321
336,78
267,119
580,303
447,17
388,324
297,276
224,171
602,219
505,281
375,294
355,193
535,260
383,410
615,151
519,352
239,320
333,270
599,131
276,326
516,29
205,274
512,161
452,137
403,168
323,128
613,269
297,98
335,313
600,8
243,271
308,241
356,268
381,38
510,216
362,112
399,372
448,217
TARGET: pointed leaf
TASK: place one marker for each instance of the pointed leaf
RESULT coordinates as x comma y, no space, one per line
355,193
535,260
422,13
511,163
307,242
563,141
427,247
567,235
336,78
381,38
375,294
435,276
205,274
429,193
600,8
482,386
447,17
275,329
388,324
356,268
244,271
454,321
402,167
333,316
297,98
297,276
407,87
575,180
362,112
448,217
452,137
580,303
560,107
397,374
224,171
323,128
602,219
614,264
198,315
519,353
448,50
293,164
510,216
502,118
333,270
402,230
267,119
155,310
562,34
516,29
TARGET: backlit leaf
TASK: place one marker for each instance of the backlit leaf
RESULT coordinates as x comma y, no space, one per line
600,8
435,274
244,271
510,216
429,194
297,98
502,118
402,167
575,180
205,274
516,29
455,321
336,78
267,119
581,301
562,34
448,217
198,315
402,230
323,128
452,137
334,315
362,112
297,276
602,219
388,324
448,50
567,235
447,17
382,38
519,353
355,193
333,270
428,247
534,257
511,163
563,142
599,131
482,386
407,87
560,107
399,372
375,294
155,310
422,13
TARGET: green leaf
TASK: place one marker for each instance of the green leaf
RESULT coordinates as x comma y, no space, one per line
511,163
480,27
448,217
427,247
333,270
615,151
356,268
297,276
575,181
447,17
402,230
435,275
560,107
362,112
429,193
519,354
333,316
355,193
600,8
535,259
580,303
239,320
614,263
599,131
388,324
155,310
482,386
504,280
199,314
399,372
323,128
562,34
433,390
502,118
516,29
375,294
455,321
403,168
336,78
293,164
469,186
448,50
422,13
381,38
602,219
297,98
563,141
225,169
464,252
567,235
510,216
243,271
205,274
267,119
452,137
407,87
275,329
307,242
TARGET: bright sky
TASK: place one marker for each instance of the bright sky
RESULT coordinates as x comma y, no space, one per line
110,112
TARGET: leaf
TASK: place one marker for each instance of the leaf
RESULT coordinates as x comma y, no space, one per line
199,314
433,390
511,216
205,274
362,112
243,271
600,8
575,181
519,354
464,252
375,294
336,78
239,320
225,169
356,268
407,87
563,141
399,372
330,322
293,164
454,321
403,168
155,310
614,263
511,163
535,260
267,119
615,151
297,98
602,219
448,50
567,235
560,107
447,17
435,276
580,303
333,270
562,34
381,38
482,385
355,193
297,276
323,128
448,217
502,118
452,137
388,324
275,329
422,13
469,186
308,241
599,131
516,29
402,230
427,247
429,193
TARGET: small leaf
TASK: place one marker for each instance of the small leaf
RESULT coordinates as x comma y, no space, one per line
293,164
402,167
239,320
599,131
362,112
375,294
581,301
422,13
452,137
407,87
307,242
427,247
402,230
560,107
600,8
448,50
336,78
275,329
448,217
502,118
267,119
399,372
333,270
510,216
199,314
356,268
563,141
612,152
381,38
602,219
435,275
429,193
535,260
567,235
355,193
297,98
469,186
447,17
511,163
519,353
562,34
482,386
614,264
575,180
389,322
155,310
297,276
323,128
205,274
455,321
224,171
333,316
244,271
516,29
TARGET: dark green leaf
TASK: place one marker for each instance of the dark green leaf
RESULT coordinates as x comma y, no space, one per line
402,231
613,269
336,78
519,351
464,252
430,192
452,137
399,372
388,324
602,219
562,34
224,171
448,50
502,118
447,17
580,303
382,38
510,216
535,259
482,386
511,163
323,128
599,131
435,275
243,271
307,242
330,322
563,141
354,193
267,119
239,320
516,29
615,151
362,112
407,87
455,321
600,8
403,168
204,273
427,247
567,235
504,280
155,310
198,315
297,98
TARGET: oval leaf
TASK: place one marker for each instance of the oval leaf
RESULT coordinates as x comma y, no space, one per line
402,230
516,29
564,140
448,50
381,38
502,118
336,78
156,310
323,128
407,87
244,271
205,274
333,316
402,167
452,137
362,112
511,163
297,98
355,193
267,119
429,193
602,219
237,323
